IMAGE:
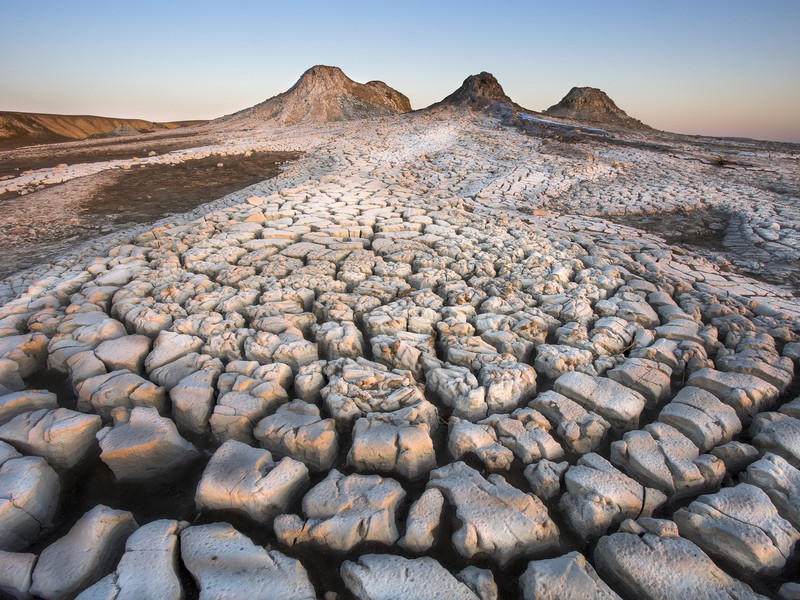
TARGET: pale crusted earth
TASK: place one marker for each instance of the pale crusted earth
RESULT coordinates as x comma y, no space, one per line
417,364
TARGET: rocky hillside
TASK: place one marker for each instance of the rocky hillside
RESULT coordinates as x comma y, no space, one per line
591,105
322,95
23,129
479,92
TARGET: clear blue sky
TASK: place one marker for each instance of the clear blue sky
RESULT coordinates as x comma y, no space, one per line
720,67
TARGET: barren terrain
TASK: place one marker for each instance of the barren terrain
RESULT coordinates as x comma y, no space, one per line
465,352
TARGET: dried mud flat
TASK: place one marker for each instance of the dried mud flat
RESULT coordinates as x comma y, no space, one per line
39,226
418,362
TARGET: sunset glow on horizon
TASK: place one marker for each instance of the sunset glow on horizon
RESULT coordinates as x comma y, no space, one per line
722,68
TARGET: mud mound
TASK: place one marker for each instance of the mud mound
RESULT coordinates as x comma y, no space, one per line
322,95
591,105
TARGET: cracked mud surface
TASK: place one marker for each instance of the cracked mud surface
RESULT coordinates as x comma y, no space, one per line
420,352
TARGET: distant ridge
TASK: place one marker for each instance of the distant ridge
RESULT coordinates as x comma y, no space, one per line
591,105
22,129
325,94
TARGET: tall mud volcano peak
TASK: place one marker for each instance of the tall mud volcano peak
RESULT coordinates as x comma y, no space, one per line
592,105
324,94
479,92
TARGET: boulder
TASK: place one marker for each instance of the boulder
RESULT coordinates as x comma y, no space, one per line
29,351
193,400
508,384
458,388
546,478
104,393
748,395
424,518
481,440
395,442
648,377
358,387
10,379
554,360
127,352
339,340
737,456
527,434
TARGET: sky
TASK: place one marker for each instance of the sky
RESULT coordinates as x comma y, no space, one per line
713,67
